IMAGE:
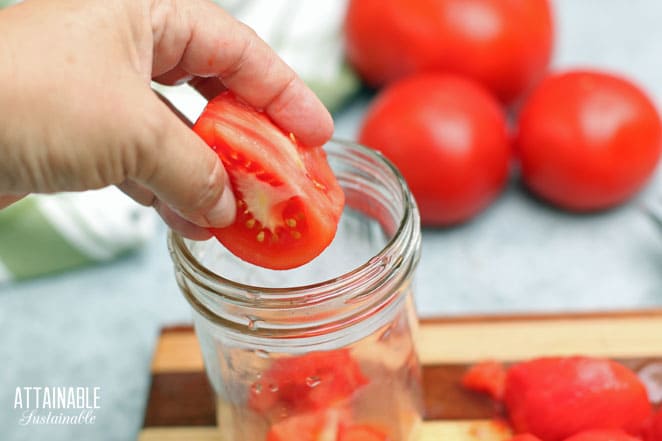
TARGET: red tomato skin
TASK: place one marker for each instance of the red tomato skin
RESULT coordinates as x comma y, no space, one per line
602,435
449,139
504,44
525,437
588,140
653,430
488,377
553,398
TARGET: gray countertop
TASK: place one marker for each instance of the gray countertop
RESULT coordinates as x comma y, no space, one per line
97,326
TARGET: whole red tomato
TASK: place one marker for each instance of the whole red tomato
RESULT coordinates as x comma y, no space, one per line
588,140
504,44
554,398
448,136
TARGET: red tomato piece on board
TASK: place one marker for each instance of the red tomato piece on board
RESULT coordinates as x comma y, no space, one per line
288,200
588,140
488,377
308,382
554,398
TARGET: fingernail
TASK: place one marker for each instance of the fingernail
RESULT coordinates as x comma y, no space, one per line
222,214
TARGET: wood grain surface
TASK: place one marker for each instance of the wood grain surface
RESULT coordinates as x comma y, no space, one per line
181,402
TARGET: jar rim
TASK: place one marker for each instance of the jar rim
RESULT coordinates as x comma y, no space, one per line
277,297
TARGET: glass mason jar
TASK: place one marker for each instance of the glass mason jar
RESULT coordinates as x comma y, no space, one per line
326,351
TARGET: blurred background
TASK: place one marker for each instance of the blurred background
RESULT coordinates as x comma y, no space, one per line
95,324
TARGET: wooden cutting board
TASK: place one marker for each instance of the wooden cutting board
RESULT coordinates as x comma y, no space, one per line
181,402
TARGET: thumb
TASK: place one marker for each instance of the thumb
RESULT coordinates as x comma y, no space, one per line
183,172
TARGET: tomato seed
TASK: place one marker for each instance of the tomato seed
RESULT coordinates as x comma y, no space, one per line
250,223
291,222
260,236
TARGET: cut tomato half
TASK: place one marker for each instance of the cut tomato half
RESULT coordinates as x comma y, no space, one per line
288,200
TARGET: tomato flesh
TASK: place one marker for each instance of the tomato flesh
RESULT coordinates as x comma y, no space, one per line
653,430
362,433
602,435
554,398
525,437
332,424
488,377
288,200
309,382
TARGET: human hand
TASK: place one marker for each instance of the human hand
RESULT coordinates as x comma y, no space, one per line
77,111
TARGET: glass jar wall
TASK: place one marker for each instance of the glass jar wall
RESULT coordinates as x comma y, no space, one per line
326,351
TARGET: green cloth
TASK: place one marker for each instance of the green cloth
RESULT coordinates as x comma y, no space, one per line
335,93
31,245
44,234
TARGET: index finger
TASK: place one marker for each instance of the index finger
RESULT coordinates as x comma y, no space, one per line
201,39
